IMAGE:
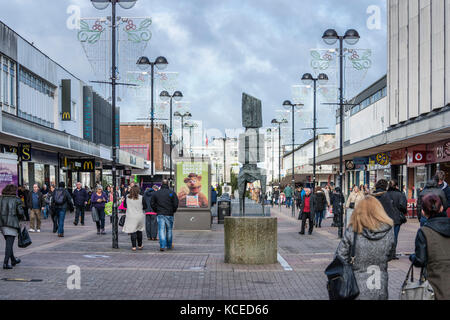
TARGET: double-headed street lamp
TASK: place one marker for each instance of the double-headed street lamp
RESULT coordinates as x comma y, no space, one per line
161,63
293,106
351,37
101,5
279,123
307,79
190,126
186,115
165,96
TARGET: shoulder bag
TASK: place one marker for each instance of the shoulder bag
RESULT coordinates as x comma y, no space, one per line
342,283
122,220
24,239
416,290
95,216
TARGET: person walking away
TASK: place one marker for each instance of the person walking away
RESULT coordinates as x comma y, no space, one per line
374,247
430,187
165,204
355,197
11,213
61,201
24,194
400,204
320,205
307,212
98,201
432,250
440,177
51,208
276,195
135,221
288,193
151,221
298,197
44,192
337,200
36,204
80,200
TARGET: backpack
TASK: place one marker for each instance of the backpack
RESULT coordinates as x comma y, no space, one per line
59,197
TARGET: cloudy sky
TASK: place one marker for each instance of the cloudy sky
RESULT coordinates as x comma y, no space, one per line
220,48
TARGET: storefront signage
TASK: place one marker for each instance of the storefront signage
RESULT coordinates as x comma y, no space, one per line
419,157
349,165
8,173
79,165
382,159
439,152
24,152
88,113
361,161
8,149
66,100
398,157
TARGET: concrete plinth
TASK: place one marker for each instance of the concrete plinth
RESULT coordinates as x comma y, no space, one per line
250,240
192,220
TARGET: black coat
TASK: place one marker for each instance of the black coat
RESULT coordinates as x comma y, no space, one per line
80,197
388,205
11,211
147,198
165,201
40,200
400,204
68,203
311,204
320,201
334,199
431,187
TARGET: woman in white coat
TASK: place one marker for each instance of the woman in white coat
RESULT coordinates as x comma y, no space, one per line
135,217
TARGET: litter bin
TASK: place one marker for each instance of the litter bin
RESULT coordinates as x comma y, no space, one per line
223,209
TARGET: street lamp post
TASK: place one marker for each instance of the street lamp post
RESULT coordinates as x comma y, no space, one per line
308,79
190,126
161,63
279,123
293,107
186,115
351,37
101,5
165,96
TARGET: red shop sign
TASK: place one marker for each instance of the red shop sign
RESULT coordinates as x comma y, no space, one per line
419,157
398,157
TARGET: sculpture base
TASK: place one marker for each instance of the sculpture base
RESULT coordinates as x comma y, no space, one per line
192,220
250,241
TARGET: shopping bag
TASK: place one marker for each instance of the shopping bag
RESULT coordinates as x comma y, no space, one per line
329,214
95,216
121,207
108,208
24,238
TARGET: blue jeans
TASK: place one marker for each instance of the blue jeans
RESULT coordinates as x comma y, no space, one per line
61,213
165,226
288,202
319,217
101,215
45,212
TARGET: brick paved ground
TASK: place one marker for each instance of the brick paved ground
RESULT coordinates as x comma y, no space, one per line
194,270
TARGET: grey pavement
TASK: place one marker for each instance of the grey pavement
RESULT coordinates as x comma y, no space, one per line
194,270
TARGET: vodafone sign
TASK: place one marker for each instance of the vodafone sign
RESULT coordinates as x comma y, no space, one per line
419,157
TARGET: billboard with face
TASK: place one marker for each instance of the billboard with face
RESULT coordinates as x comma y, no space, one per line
192,185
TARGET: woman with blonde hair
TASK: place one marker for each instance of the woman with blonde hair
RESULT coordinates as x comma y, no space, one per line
374,248
355,197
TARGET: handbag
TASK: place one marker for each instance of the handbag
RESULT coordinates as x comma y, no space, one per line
352,205
95,216
342,283
122,221
416,290
403,219
24,239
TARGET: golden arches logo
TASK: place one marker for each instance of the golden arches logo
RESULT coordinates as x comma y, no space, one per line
66,116
88,165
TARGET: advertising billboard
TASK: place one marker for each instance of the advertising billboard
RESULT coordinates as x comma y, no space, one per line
8,173
192,185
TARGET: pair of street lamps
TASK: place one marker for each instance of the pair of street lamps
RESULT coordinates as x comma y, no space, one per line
182,116
351,37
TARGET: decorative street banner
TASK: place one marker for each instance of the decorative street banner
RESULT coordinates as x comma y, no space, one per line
8,173
192,184
66,100
88,99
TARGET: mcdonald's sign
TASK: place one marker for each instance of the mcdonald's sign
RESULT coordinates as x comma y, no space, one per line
88,165
66,100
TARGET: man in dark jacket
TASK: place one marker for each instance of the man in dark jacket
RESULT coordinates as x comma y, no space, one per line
35,204
337,200
440,178
307,212
433,246
61,201
400,204
430,187
80,198
165,204
151,222
320,205
24,194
